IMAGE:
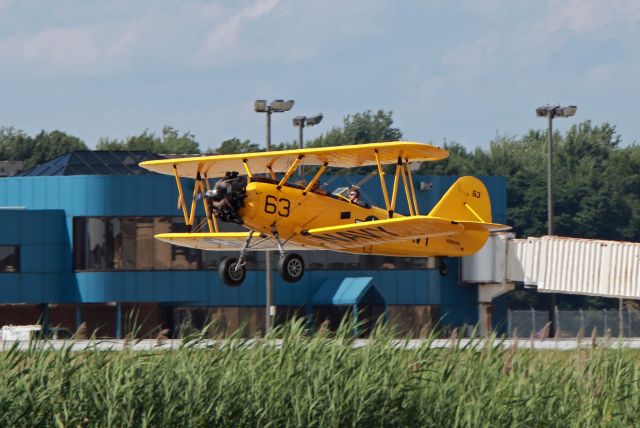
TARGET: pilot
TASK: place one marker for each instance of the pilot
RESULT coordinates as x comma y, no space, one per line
354,197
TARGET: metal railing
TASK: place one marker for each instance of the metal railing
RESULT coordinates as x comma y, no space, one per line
614,323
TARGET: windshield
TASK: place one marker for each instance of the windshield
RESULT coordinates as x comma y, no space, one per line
341,191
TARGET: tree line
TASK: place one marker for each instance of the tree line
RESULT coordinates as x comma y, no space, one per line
597,178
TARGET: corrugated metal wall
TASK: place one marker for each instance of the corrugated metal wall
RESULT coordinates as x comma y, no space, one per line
577,266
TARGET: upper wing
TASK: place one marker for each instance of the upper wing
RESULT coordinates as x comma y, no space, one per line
223,241
382,231
279,161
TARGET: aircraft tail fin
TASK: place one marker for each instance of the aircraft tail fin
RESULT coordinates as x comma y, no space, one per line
466,203
466,200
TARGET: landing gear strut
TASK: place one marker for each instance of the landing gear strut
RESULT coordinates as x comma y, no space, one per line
233,271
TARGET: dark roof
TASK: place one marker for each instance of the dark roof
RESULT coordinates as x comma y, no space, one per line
99,162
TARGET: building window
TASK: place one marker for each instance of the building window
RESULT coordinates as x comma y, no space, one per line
9,258
127,243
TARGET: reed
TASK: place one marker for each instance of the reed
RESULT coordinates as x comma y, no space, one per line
320,380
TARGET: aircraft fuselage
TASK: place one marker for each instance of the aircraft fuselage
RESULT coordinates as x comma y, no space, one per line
290,211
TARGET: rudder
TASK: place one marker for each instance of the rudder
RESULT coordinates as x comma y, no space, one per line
466,200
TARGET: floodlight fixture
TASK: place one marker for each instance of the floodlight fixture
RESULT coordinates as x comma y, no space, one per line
567,111
280,106
260,106
302,121
556,111
314,120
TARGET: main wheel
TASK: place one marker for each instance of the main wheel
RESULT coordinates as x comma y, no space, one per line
228,274
291,267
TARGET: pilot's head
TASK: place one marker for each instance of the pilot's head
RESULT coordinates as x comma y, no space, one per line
354,194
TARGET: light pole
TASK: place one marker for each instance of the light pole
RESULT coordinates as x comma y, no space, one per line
276,106
301,122
550,112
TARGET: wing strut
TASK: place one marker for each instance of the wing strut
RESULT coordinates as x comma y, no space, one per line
246,167
315,178
382,183
199,186
406,191
210,217
196,189
183,204
413,190
290,171
271,173
394,195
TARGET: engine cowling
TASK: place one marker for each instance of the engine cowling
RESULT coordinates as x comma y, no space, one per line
227,197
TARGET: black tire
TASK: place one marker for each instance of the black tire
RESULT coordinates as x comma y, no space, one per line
228,275
291,267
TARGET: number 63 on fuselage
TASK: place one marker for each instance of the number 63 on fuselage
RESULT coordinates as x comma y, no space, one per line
256,191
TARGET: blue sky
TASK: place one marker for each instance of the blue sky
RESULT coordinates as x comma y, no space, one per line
457,70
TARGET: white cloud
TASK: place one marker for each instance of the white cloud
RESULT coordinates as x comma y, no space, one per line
606,77
74,40
591,16
224,37
5,5
471,60
522,45
75,50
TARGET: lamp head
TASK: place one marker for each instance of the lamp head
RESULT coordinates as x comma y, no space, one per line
567,111
260,106
556,111
314,120
280,106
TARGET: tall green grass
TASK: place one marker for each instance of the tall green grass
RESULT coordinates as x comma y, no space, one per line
319,381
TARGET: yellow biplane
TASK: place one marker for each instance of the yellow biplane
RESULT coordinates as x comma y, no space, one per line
288,217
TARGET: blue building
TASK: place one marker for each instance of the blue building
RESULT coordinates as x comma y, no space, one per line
76,245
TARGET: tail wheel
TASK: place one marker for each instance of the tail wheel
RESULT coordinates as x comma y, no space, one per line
229,275
291,267
443,268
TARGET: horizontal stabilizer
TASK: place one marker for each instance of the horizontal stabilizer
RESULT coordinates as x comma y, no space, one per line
477,225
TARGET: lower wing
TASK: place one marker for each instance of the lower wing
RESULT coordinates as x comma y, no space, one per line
376,232
224,241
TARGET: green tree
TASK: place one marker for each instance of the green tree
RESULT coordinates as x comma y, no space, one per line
49,145
171,141
235,145
360,128
595,188
16,145
596,183
459,162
